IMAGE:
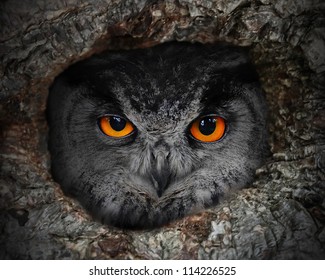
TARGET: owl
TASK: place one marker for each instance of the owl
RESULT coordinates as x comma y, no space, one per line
147,136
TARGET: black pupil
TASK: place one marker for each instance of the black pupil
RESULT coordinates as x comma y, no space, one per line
117,123
207,125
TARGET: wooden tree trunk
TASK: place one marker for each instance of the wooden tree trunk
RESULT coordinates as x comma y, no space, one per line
281,216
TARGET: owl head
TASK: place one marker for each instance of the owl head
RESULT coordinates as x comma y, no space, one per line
143,137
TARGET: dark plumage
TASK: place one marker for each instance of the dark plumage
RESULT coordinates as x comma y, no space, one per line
160,171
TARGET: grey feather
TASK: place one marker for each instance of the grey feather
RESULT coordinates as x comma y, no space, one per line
159,172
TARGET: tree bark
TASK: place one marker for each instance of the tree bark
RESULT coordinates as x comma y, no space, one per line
280,216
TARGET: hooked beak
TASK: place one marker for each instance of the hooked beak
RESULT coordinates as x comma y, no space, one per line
161,172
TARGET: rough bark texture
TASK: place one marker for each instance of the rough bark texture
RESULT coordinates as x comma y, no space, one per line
281,216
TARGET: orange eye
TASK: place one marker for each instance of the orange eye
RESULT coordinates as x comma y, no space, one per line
115,126
208,129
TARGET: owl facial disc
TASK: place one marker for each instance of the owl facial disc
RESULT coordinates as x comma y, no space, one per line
143,137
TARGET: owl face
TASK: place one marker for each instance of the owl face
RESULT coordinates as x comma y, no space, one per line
146,136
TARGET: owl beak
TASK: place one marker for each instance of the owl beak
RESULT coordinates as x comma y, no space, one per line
161,181
161,172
